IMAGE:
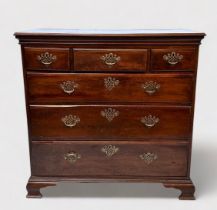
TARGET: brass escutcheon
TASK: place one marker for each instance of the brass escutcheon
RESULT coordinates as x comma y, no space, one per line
110,150
148,157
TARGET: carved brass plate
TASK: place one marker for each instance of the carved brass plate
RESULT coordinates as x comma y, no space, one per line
110,114
110,83
151,87
69,86
150,121
70,120
110,59
72,157
110,150
148,157
46,58
173,58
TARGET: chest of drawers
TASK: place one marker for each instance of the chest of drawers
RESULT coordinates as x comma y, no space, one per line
110,106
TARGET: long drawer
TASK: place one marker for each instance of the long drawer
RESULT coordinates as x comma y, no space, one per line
110,122
106,159
77,88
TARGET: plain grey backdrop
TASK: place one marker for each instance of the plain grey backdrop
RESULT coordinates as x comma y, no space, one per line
16,15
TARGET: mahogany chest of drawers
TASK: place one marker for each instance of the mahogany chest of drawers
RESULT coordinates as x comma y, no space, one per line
110,106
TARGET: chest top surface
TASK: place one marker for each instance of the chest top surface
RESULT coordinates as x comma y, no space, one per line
110,33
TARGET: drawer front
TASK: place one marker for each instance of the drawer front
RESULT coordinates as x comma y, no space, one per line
109,122
173,59
110,60
108,159
78,88
46,58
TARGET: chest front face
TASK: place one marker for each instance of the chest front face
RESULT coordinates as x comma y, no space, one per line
105,107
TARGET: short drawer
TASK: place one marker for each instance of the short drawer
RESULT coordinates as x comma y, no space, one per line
173,59
77,88
110,60
46,58
109,122
105,159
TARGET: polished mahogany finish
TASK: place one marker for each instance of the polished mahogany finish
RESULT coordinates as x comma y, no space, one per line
110,106
173,59
173,122
51,59
46,88
94,162
110,60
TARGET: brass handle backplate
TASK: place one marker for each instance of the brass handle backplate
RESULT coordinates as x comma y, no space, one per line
69,86
173,58
151,87
148,157
70,120
110,59
150,121
110,150
46,58
72,157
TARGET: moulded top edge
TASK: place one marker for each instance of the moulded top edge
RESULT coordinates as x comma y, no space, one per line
109,32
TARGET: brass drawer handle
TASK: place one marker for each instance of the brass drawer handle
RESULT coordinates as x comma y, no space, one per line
151,87
110,83
150,121
46,58
110,59
110,150
72,157
148,157
173,58
70,120
69,86
109,114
